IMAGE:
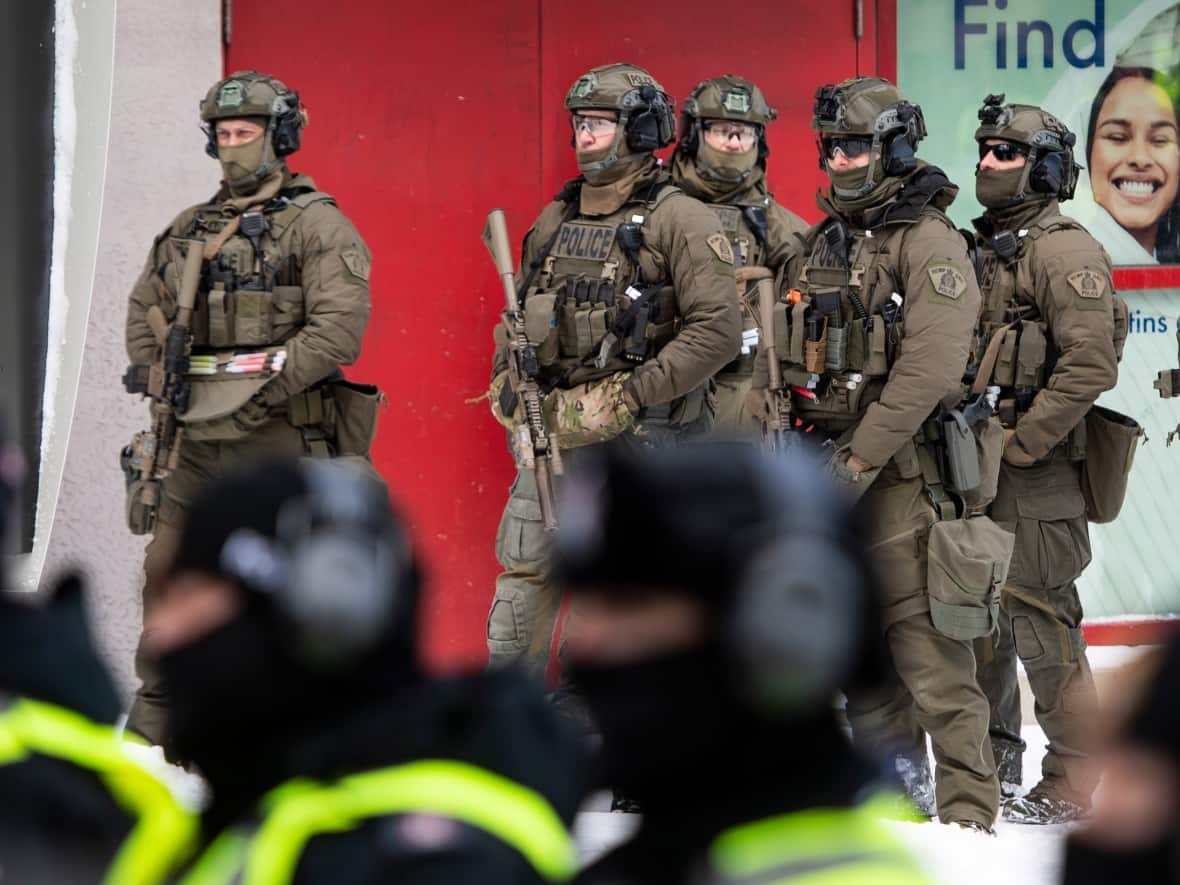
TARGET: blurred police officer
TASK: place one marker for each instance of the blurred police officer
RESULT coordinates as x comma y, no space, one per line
76,807
710,666
875,328
721,160
286,633
1048,321
627,284
282,303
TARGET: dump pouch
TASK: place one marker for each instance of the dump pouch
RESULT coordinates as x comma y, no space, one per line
1111,439
355,411
588,413
966,569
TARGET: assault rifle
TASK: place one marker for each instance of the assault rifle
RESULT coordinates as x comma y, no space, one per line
777,421
155,452
533,446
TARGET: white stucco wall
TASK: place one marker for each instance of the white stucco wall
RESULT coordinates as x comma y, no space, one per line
166,55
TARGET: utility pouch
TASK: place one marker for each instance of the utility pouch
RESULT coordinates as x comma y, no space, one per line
967,566
1005,372
355,411
780,329
250,317
876,359
1111,439
962,457
1030,355
567,323
540,325
989,444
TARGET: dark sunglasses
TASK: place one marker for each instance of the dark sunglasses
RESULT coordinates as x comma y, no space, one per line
849,147
1004,151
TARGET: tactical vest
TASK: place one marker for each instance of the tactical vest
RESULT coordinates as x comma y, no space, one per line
839,331
162,832
1025,356
268,852
593,276
832,846
750,246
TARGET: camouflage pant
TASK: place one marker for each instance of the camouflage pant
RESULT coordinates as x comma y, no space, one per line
200,462
525,605
1040,623
932,688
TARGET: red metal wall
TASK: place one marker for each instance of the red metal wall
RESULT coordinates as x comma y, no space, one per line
424,117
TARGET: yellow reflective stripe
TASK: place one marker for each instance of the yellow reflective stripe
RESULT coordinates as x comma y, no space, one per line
754,851
221,861
514,814
162,829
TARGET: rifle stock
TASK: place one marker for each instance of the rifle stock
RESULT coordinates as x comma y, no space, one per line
534,447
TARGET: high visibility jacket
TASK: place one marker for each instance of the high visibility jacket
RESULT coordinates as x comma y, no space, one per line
820,846
161,833
268,852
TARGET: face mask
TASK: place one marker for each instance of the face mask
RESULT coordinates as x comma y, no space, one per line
245,165
996,188
660,718
724,166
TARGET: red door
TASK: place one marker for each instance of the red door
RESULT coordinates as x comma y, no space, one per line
422,121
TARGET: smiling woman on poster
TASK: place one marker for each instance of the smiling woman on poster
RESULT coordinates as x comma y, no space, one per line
1134,157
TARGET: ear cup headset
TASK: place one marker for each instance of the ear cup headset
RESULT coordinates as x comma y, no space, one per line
339,567
649,121
795,615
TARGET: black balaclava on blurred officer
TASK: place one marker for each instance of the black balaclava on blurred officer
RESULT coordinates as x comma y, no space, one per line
718,605
291,599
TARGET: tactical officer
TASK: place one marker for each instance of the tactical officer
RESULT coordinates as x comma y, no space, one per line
76,807
286,630
710,664
721,160
1047,338
282,303
630,282
873,333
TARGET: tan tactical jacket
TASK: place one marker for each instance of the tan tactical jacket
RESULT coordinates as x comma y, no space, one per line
1059,285
577,272
905,354
308,297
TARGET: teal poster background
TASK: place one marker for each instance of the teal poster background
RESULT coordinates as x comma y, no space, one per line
951,53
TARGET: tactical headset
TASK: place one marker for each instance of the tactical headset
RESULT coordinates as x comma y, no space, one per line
795,620
339,567
284,126
649,119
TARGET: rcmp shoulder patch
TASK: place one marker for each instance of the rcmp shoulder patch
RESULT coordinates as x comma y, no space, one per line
357,263
948,280
721,247
1087,283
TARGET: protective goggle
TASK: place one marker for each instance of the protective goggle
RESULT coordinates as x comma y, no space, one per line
745,133
596,126
1004,151
850,146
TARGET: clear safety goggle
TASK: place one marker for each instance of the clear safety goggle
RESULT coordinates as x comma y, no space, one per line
745,133
596,126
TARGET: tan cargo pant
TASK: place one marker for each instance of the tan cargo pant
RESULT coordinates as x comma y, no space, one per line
199,463
1040,622
933,687
525,605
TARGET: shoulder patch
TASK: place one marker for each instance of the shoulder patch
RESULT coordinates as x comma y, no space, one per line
1087,283
948,280
721,247
357,263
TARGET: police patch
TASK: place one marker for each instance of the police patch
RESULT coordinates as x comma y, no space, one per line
947,280
580,239
1087,283
721,247
357,263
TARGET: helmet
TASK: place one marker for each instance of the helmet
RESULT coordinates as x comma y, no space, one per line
646,116
723,523
727,97
876,109
1050,169
251,94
